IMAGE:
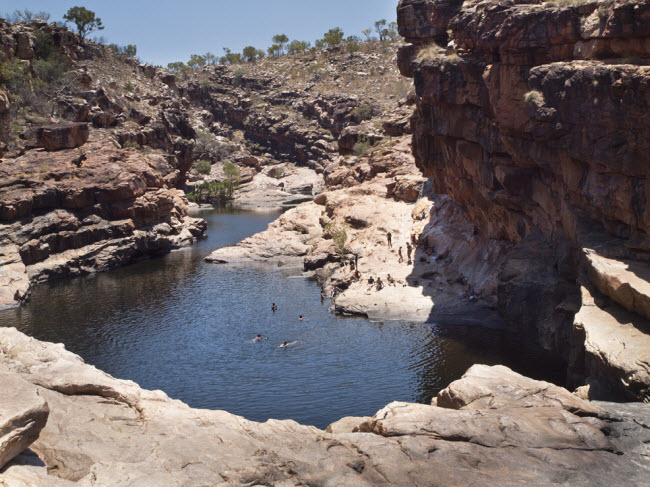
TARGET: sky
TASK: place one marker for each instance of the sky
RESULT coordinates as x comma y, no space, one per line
165,31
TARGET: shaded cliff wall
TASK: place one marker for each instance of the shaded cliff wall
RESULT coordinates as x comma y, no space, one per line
535,118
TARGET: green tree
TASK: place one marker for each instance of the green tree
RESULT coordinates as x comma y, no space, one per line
84,19
380,28
274,50
130,50
367,33
333,37
210,59
392,31
230,57
177,67
297,46
280,40
196,61
249,53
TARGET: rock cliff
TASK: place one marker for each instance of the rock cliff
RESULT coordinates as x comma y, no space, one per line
76,195
534,118
492,427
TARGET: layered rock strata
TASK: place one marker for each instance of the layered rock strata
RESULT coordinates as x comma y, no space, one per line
534,118
65,214
493,426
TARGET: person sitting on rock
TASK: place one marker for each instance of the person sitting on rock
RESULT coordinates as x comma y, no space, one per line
371,281
391,281
356,276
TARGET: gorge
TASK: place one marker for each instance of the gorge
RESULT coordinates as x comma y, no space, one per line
517,167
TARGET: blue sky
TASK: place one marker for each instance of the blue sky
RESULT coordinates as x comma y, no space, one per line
166,30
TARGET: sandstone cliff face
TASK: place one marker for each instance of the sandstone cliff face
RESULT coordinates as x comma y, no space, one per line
535,119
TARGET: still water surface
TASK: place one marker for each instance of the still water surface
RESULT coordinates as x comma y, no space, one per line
184,326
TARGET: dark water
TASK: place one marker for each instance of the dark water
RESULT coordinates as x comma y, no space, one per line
185,326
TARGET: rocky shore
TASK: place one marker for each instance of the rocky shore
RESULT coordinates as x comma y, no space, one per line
75,425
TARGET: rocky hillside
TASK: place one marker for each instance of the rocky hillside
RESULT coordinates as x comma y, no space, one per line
99,149
76,194
534,117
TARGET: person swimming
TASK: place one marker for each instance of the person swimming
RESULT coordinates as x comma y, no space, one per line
285,344
300,318
258,338
274,307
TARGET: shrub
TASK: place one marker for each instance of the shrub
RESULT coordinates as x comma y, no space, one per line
333,37
361,146
361,113
339,234
131,144
238,77
130,50
277,173
534,97
49,64
232,173
128,86
202,166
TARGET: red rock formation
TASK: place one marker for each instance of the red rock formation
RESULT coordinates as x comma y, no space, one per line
536,119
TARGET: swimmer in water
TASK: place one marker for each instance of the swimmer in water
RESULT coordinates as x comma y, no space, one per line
274,307
300,318
285,344
258,338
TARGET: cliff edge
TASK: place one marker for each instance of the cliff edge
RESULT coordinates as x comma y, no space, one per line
534,118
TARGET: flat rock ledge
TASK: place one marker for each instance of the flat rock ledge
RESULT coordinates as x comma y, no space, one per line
492,427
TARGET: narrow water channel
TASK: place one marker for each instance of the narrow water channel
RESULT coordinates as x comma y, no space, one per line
184,326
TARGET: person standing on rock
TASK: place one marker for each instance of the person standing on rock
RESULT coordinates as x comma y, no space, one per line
380,284
409,250
399,253
389,237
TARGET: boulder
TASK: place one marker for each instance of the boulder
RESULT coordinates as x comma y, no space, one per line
23,414
353,134
62,136
497,387
24,45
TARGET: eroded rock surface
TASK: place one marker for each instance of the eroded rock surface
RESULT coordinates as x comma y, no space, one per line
103,431
23,413
534,118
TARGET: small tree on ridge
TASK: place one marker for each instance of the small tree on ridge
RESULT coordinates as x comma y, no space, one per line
84,19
